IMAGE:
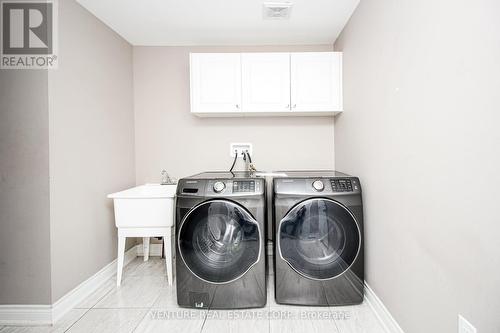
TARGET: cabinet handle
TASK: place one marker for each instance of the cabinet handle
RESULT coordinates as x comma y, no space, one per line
287,106
237,106
294,106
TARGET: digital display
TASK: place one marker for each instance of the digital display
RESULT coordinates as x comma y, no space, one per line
341,185
244,186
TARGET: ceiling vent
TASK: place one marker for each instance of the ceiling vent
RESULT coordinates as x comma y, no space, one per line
277,10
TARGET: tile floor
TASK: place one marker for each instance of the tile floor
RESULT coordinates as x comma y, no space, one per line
145,303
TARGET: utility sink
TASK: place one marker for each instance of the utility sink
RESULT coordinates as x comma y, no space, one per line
146,191
145,211
144,206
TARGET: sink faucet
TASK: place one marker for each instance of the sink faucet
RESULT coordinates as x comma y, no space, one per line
165,178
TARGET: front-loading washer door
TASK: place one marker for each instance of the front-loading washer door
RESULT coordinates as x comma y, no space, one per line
319,238
219,241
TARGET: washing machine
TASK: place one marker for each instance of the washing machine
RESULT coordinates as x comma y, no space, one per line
318,226
220,233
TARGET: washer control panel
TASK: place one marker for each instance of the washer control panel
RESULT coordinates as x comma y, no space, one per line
238,187
341,185
221,187
242,186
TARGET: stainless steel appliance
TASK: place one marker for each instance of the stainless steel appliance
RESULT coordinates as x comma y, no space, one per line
220,225
318,228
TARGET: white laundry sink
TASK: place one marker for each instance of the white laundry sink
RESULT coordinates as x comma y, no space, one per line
145,211
145,206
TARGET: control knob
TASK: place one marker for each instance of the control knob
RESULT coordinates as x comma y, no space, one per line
219,187
318,185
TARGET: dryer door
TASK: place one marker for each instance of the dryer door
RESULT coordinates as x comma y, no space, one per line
319,238
219,241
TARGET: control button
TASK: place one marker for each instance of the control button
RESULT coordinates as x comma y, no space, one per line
219,187
318,185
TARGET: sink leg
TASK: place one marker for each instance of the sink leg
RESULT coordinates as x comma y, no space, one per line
121,255
167,246
145,247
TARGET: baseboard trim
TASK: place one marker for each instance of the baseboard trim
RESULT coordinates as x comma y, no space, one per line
384,316
38,315
25,315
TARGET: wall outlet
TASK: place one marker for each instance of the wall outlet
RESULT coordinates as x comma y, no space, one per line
240,148
464,326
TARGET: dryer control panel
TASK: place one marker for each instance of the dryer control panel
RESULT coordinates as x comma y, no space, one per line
317,186
341,185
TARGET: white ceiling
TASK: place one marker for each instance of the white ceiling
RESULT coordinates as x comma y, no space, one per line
221,22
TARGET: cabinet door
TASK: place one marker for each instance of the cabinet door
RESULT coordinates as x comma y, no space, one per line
266,82
215,82
316,81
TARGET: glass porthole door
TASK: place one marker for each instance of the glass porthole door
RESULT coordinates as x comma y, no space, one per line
319,238
219,241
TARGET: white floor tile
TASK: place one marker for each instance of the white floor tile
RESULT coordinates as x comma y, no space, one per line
135,292
153,267
251,320
167,298
172,321
61,326
288,319
145,303
97,295
109,321
270,292
358,319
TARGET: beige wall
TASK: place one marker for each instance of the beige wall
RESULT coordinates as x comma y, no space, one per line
421,93
91,144
24,188
169,137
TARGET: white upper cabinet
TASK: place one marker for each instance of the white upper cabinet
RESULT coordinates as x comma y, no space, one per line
316,81
273,84
215,83
265,82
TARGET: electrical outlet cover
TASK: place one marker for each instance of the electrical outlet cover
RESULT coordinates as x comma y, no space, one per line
464,326
240,148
